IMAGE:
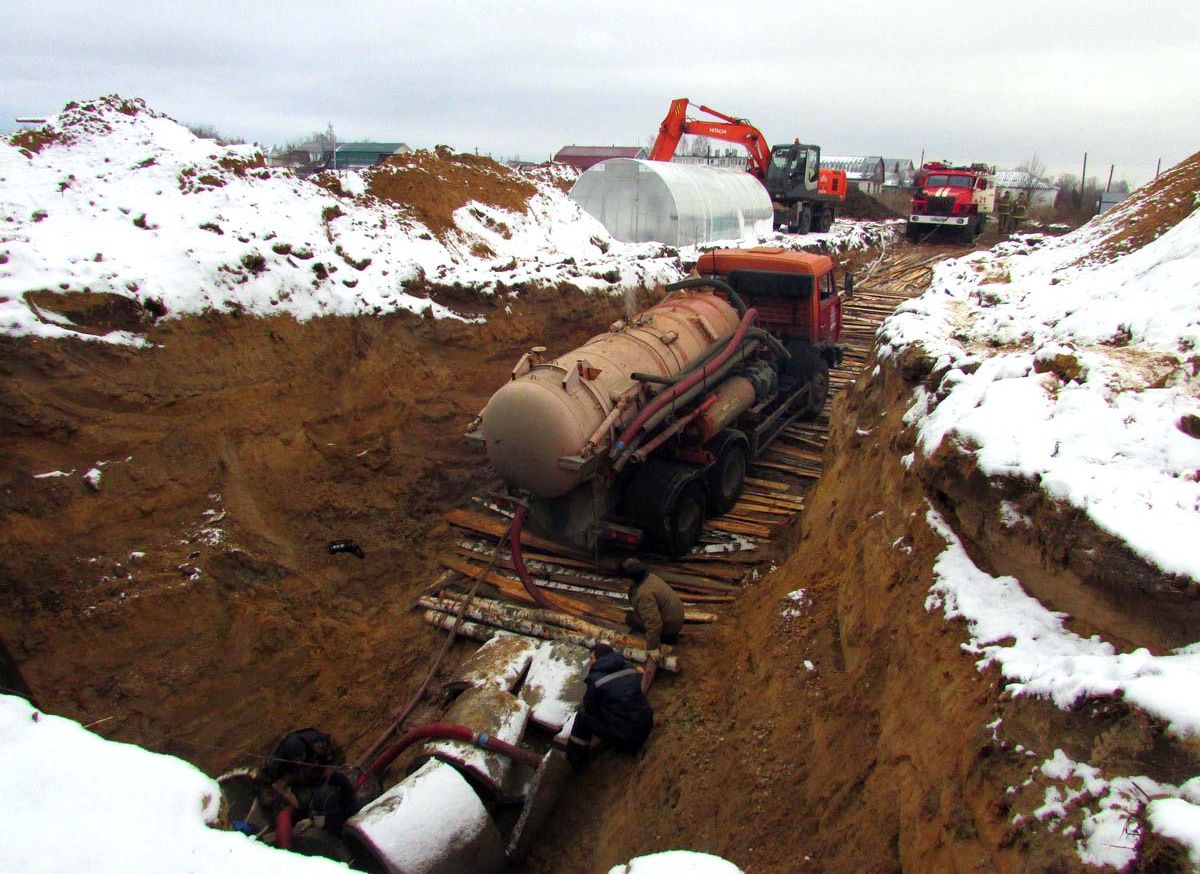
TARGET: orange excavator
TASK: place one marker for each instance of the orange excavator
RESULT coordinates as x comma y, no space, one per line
805,195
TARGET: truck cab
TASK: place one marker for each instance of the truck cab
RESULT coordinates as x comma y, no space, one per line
957,198
794,292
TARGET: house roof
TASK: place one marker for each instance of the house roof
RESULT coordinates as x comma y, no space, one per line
1020,179
904,163
376,148
856,166
601,152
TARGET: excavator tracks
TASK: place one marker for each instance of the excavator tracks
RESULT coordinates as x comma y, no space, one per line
733,546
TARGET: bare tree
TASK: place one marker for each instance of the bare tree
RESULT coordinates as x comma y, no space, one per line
1034,170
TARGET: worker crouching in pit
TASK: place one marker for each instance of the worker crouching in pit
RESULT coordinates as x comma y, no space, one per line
614,709
657,610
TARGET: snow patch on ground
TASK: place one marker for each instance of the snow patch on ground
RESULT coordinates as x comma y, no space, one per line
1038,656
677,862
128,810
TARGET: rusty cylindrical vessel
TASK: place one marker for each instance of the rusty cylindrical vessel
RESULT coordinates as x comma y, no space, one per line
554,411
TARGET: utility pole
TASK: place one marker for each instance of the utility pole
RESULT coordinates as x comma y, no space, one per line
1111,167
1158,169
1083,179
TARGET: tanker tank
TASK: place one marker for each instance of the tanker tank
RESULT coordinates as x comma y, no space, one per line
541,427
677,204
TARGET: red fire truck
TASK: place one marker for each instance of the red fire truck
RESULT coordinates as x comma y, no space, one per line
956,198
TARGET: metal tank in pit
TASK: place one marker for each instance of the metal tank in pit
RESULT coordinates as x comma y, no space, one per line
677,204
542,427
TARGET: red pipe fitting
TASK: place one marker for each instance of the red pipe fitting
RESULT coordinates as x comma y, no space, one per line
451,731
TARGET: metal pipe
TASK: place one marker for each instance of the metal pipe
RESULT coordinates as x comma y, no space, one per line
715,377
450,731
675,427
612,416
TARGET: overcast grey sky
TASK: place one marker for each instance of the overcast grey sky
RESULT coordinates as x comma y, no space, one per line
963,80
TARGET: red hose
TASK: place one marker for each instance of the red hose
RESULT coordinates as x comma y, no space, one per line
514,544
450,731
283,828
665,397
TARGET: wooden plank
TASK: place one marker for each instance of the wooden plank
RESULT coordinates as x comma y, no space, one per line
732,527
768,484
786,468
494,528
514,590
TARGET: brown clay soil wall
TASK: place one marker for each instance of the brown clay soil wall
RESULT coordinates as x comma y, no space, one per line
852,735
251,444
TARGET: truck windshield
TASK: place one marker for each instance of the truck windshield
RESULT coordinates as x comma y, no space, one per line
941,180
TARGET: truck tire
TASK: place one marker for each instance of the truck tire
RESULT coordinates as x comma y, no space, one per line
808,367
667,500
805,221
727,476
912,232
825,220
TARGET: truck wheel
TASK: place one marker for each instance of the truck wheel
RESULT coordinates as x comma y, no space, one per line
912,232
727,476
825,222
804,225
808,367
667,500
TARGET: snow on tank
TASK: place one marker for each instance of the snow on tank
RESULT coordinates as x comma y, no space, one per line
677,204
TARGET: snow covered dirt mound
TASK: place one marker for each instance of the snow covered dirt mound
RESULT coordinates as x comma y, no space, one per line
1078,375
1056,422
113,198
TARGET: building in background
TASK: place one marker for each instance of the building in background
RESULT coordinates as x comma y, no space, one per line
582,157
864,172
1038,193
898,173
316,156
1109,199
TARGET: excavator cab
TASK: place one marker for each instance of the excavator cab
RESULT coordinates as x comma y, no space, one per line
793,166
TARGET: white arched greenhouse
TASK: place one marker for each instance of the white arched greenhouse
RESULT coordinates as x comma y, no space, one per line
678,204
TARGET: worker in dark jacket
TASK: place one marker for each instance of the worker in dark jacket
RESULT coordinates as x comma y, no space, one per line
613,709
657,610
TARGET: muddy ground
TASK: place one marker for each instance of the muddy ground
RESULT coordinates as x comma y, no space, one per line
190,603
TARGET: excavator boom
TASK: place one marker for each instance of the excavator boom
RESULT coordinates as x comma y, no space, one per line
733,130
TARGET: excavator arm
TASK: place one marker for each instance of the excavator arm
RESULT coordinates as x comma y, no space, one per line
728,128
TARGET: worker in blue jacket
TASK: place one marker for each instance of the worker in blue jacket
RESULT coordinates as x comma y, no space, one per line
614,709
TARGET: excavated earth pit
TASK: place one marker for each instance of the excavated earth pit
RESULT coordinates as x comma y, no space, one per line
184,597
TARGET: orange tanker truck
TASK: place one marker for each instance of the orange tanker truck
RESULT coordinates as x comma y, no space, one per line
645,429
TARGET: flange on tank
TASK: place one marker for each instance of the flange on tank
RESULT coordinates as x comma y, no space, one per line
547,428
